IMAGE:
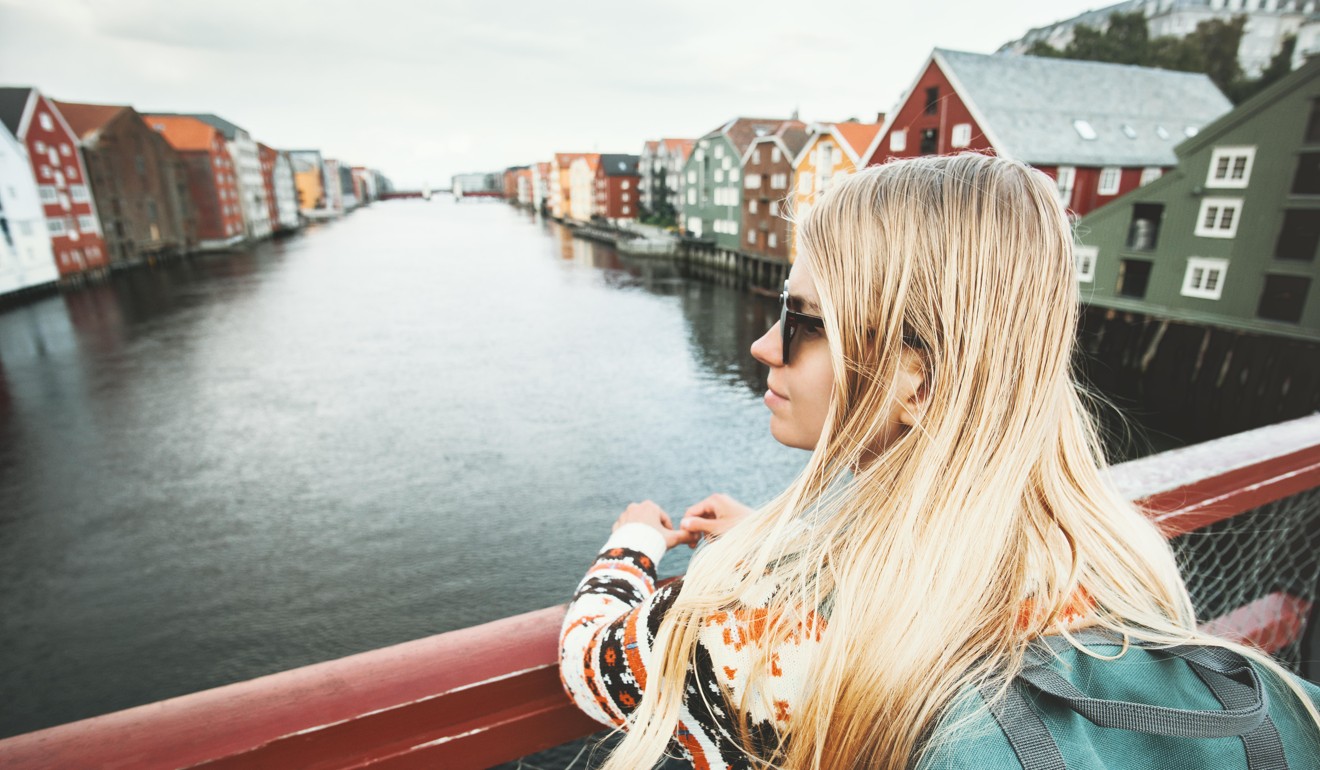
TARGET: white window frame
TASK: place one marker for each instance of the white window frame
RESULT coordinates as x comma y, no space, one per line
1202,268
48,193
752,181
756,156
78,193
733,175
719,151
804,183
1231,155
719,175
772,240
626,184
962,135
774,208
691,196
56,226
751,205
1064,181
1110,179
775,155
1085,257
1150,174
779,182
751,236
1217,230
46,122
87,224
898,140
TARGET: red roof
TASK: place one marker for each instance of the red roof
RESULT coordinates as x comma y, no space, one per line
87,118
183,132
680,147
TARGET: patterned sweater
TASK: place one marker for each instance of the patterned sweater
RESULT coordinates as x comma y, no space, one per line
605,654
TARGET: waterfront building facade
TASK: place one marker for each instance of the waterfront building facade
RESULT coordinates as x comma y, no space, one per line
364,185
281,192
561,191
309,179
833,151
61,176
26,258
1099,130
1228,238
582,186
616,188
211,177
712,179
1268,24
138,180
767,185
242,150
479,183
347,192
661,170
541,176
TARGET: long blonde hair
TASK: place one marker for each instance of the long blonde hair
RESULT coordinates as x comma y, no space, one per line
923,555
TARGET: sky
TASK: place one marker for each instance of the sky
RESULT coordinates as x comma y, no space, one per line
424,89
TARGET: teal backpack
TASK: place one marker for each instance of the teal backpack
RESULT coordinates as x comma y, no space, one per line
1181,708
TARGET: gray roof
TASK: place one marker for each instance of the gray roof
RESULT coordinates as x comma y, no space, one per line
619,165
12,103
1030,107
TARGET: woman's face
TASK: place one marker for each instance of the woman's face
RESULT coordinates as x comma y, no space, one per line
799,394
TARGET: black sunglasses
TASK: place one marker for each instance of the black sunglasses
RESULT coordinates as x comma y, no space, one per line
790,320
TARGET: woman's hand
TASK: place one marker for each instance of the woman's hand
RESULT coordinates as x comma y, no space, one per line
653,515
712,517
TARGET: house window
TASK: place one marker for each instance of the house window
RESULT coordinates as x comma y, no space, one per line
1230,167
779,181
898,140
751,205
1299,235
962,135
752,181
756,156
1307,179
78,193
719,175
694,226
804,183
1085,130
691,197
56,226
1133,277
626,184
733,228
930,141
626,210
1204,277
86,224
1144,231
48,194
1150,174
626,197
775,155
46,122
1283,298
64,149
726,164
751,236
1064,180
1085,257
1109,179
39,146
733,175
932,100
772,241
774,208
719,151
45,172
1218,217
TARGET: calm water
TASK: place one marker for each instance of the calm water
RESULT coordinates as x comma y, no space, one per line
419,418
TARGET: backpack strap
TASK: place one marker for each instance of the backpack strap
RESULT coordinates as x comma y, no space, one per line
1232,680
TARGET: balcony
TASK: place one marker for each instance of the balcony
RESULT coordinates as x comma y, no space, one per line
490,694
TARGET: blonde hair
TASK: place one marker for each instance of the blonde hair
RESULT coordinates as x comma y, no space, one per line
922,555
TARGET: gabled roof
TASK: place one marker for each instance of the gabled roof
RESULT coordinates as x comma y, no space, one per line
183,132
854,137
1048,111
87,119
680,147
791,137
742,131
565,159
649,147
619,165
13,103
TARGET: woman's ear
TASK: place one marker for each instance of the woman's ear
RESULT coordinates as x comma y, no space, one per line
913,388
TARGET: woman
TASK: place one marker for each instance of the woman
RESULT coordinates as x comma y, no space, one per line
953,510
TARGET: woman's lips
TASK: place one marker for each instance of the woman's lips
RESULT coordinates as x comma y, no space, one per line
773,399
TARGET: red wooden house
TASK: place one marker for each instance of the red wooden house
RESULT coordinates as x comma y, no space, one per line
212,178
1099,130
66,196
618,187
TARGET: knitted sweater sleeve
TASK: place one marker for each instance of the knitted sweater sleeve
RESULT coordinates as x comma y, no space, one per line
605,650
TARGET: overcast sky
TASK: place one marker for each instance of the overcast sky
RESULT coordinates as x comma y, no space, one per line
423,89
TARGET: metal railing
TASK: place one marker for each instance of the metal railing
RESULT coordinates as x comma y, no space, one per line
488,694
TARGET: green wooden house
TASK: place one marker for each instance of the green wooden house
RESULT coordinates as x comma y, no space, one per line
712,180
1228,238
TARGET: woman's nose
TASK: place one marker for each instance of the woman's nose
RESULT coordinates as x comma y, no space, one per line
769,348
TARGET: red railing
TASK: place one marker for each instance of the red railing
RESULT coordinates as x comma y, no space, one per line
489,694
